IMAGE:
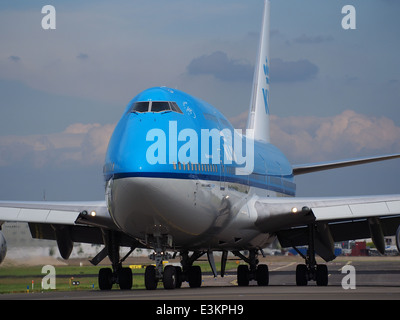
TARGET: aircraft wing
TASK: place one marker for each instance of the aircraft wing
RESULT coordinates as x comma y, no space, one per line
314,167
334,220
65,222
63,213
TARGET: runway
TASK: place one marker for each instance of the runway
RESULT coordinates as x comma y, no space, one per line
377,279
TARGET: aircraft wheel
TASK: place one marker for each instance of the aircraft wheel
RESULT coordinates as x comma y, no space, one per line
105,279
125,278
169,277
150,279
322,275
243,275
178,276
194,276
301,275
262,275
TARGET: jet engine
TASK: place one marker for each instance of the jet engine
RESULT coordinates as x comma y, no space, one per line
398,239
64,242
3,247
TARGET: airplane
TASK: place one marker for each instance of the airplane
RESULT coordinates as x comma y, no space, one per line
169,189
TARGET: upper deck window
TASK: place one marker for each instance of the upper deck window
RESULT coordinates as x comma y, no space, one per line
155,106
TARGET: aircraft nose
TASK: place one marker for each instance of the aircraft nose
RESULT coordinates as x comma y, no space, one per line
130,200
127,147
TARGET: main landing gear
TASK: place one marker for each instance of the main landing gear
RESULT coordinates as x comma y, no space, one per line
252,271
118,274
311,270
173,276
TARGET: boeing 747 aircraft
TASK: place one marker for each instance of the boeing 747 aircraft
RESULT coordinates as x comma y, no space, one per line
180,180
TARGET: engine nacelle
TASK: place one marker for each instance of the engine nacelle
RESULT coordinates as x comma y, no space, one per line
64,242
398,239
3,247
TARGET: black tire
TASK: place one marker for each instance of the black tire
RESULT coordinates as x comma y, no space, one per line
301,275
125,278
322,275
150,279
262,275
243,275
178,276
105,279
194,276
169,277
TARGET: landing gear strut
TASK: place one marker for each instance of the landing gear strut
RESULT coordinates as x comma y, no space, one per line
253,271
311,270
191,273
168,275
154,274
118,274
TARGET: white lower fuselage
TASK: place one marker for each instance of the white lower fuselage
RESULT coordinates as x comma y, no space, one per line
195,214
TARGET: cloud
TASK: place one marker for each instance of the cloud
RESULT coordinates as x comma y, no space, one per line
292,71
349,134
14,59
81,144
302,139
82,56
221,67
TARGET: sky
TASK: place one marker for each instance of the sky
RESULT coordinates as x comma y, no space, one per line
334,92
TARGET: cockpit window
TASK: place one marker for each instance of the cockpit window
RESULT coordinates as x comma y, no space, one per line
140,107
174,107
155,106
158,106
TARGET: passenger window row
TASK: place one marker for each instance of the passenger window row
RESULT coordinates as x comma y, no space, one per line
196,167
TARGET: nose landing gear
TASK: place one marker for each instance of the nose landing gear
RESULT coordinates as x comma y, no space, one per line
173,276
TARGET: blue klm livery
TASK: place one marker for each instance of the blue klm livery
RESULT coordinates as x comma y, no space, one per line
126,155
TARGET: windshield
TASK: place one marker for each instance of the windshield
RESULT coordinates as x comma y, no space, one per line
155,106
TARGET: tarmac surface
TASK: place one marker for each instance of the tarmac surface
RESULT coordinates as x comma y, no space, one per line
372,278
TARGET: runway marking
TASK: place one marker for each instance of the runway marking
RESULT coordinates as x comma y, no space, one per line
285,266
